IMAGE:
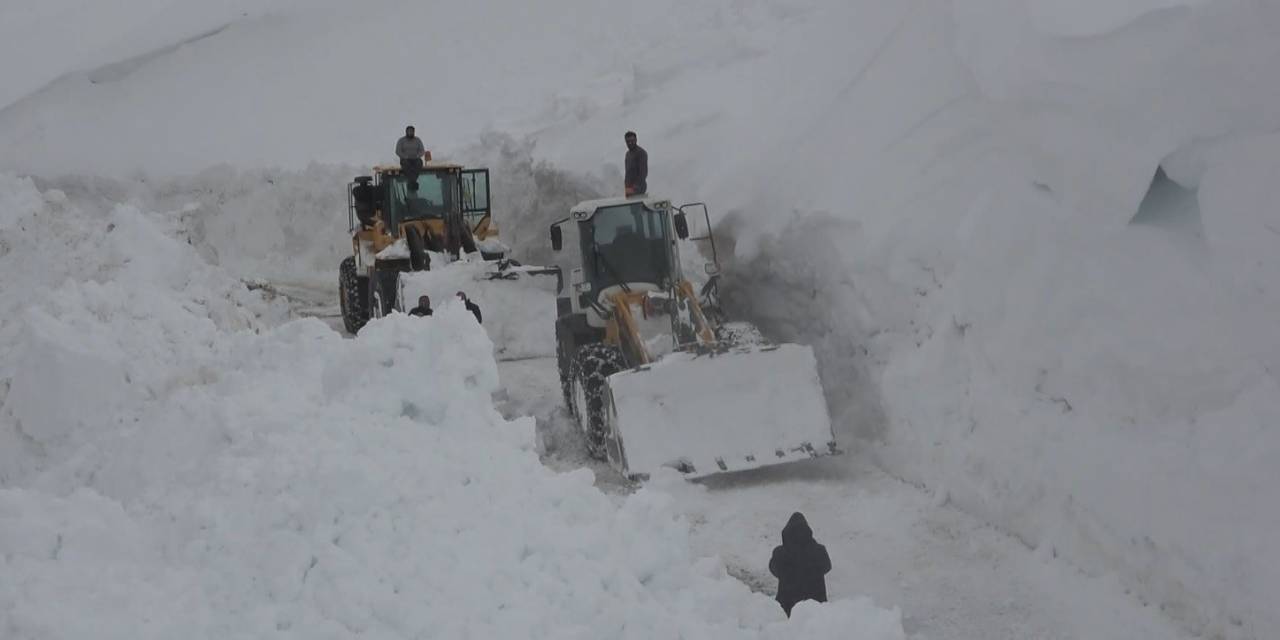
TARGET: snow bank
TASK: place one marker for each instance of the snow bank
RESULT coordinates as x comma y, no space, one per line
944,206
519,315
286,227
1242,228
172,468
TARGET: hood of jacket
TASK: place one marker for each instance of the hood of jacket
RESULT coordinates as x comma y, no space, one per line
797,530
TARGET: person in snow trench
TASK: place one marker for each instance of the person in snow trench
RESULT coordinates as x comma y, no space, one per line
800,564
635,182
471,306
423,309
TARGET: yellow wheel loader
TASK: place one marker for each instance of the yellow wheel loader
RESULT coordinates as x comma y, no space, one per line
650,369
398,221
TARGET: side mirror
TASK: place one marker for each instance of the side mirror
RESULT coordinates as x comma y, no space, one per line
712,269
557,239
682,226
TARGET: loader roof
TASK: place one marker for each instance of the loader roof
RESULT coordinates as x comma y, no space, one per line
395,168
588,207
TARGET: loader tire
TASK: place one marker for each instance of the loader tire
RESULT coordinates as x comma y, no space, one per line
468,240
382,291
352,296
419,259
592,366
434,242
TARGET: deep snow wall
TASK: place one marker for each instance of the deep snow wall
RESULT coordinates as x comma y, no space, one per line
1032,243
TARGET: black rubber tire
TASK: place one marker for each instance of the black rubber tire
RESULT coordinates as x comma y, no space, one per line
419,259
564,367
592,366
384,286
352,296
434,242
468,240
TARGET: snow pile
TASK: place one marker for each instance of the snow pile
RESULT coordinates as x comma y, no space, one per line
68,265
175,469
286,227
518,314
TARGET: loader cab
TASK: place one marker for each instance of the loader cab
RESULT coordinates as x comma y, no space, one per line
617,242
441,190
432,195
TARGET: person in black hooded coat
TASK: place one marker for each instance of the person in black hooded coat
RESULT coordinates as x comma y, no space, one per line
800,564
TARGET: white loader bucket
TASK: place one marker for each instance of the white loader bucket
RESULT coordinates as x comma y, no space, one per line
707,414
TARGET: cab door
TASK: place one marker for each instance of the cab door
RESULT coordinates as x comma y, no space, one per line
475,201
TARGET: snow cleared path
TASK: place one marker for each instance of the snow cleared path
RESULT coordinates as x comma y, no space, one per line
953,577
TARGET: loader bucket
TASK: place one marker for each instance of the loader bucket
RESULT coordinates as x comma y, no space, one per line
705,414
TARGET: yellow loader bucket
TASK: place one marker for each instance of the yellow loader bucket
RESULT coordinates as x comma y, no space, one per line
705,414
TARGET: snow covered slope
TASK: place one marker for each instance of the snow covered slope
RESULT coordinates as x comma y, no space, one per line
953,201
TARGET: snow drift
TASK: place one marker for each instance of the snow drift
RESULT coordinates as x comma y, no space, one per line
519,315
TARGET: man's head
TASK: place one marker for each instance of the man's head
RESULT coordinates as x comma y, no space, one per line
630,139
408,131
462,296
424,302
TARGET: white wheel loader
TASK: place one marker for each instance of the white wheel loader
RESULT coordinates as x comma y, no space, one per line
649,367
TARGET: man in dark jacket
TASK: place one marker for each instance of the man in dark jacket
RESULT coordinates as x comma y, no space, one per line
410,151
637,167
800,564
423,308
471,306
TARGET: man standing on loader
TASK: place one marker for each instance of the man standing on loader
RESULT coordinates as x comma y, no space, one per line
637,167
410,151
